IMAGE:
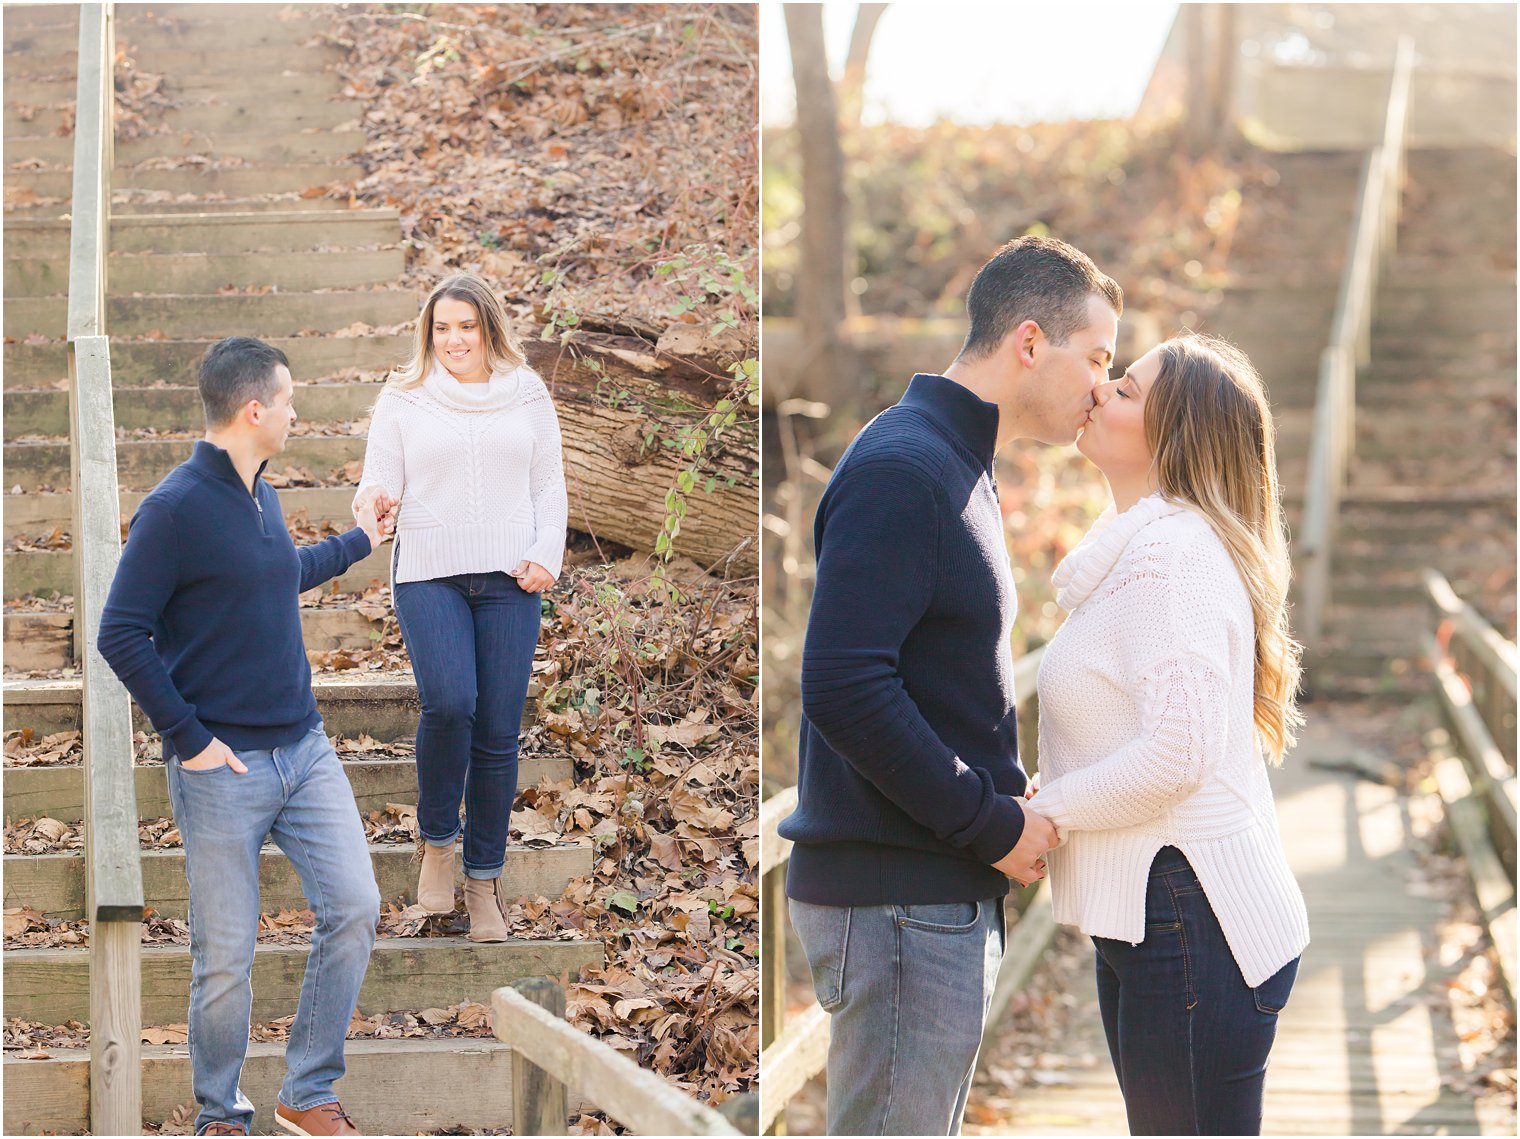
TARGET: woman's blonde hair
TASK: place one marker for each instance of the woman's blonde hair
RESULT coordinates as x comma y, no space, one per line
1210,428
503,351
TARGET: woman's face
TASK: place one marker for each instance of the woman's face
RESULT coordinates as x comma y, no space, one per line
1114,437
458,341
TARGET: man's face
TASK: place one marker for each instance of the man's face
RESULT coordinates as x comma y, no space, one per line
1060,391
278,416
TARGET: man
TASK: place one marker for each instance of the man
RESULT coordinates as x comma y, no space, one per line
203,628
910,816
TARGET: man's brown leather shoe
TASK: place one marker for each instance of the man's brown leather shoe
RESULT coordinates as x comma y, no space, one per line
324,1119
222,1127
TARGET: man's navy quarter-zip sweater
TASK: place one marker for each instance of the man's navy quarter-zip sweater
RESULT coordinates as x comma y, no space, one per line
909,782
203,623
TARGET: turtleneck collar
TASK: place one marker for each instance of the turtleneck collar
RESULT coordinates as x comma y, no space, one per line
1084,569
500,390
216,462
964,416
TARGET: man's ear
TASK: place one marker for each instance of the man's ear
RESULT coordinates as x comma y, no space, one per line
1026,337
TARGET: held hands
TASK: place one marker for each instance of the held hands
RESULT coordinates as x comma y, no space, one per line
375,512
216,754
532,577
1025,863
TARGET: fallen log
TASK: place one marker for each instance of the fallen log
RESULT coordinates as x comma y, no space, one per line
625,409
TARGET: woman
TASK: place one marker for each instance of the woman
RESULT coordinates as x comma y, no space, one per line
465,440
1167,687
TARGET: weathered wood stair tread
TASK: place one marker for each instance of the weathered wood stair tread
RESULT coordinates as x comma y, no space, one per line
57,791
46,411
44,572
200,315
192,273
40,513
43,641
52,985
53,884
380,1089
380,703
135,363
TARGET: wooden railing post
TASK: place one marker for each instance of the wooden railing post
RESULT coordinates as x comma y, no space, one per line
113,871
538,1099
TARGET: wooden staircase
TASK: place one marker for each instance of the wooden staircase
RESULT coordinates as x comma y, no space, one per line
1433,477
231,215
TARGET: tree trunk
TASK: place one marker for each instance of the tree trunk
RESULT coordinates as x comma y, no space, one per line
852,85
622,405
825,370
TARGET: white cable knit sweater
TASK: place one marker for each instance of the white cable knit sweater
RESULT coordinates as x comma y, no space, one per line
1147,740
478,471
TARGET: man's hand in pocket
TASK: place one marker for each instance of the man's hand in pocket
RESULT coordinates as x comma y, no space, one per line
216,754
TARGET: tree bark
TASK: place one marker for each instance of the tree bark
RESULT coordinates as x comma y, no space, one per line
825,370
613,393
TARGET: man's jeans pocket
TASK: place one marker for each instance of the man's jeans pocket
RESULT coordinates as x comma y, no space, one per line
825,935
940,917
1272,994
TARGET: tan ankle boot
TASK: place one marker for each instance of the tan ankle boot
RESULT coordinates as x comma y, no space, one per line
486,920
435,882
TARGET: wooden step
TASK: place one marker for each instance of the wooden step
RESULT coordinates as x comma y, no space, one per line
179,408
199,315
52,985
45,572
206,273
234,181
205,63
141,464
223,232
53,884
382,705
250,115
307,146
137,363
43,641
380,1089
41,513
291,81
57,792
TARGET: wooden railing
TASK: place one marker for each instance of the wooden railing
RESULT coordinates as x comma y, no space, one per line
793,1053
549,1057
1373,232
1475,682
113,870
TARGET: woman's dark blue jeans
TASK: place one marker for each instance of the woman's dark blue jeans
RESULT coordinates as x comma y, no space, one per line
471,639
1188,1037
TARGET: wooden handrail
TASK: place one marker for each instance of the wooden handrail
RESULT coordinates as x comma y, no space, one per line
792,1054
547,1055
1373,231
1475,670
113,870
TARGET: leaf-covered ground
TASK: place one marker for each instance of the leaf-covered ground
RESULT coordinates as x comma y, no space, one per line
563,151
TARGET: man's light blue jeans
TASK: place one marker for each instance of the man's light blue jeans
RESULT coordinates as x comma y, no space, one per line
298,796
907,988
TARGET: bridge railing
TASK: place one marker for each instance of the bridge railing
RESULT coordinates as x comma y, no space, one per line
1475,671
1373,232
792,1053
113,882
549,1058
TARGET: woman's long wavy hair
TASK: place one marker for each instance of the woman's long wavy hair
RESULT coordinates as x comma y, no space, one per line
503,351
1210,428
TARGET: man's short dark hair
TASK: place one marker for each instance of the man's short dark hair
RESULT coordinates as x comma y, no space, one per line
1034,278
234,371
